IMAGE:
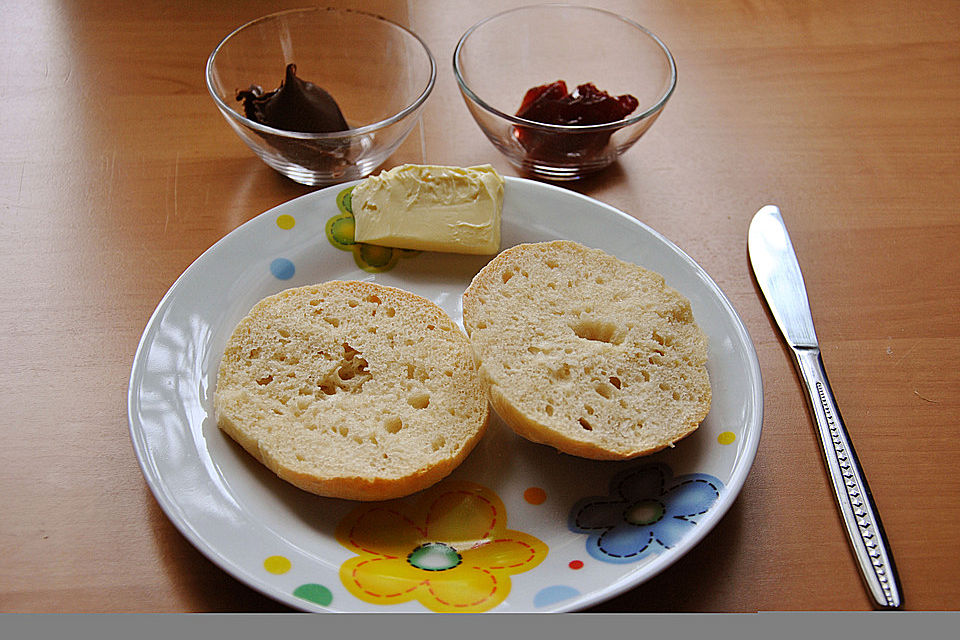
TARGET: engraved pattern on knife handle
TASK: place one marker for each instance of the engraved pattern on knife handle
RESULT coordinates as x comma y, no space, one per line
855,494
850,485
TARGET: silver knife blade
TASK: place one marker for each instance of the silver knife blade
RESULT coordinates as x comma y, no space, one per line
778,274
775,266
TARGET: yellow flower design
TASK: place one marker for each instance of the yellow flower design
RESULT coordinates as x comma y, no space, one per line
451,550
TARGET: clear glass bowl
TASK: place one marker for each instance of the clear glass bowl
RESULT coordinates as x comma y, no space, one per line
498,59
379,73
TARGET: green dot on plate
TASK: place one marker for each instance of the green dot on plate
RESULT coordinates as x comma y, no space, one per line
434,556
645,512
345,200
314,593
376,256
342,229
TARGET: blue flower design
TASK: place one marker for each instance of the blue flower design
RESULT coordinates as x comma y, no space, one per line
648,510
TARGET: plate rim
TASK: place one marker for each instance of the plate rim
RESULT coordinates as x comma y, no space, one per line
742,464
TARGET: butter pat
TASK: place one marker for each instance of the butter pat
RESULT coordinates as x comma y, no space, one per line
431,208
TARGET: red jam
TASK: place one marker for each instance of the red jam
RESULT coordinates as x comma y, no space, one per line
553,104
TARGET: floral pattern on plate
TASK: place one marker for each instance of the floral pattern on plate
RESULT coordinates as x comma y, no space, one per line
451,550
646,512
281,541
369,257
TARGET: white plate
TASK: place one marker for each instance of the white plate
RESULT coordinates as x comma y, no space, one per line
592,529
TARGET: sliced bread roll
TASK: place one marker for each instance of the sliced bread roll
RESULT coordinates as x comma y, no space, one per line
592,355
351,390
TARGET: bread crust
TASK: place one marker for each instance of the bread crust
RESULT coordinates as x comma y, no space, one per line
351,390
586,353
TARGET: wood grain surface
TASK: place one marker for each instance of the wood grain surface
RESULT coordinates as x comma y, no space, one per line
116,172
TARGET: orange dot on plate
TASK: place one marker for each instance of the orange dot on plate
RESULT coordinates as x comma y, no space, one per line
727,437
535,495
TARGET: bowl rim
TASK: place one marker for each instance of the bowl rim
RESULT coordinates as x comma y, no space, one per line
304,135
558,128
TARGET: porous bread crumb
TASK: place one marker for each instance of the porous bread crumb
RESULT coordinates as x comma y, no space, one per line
585,352
351,390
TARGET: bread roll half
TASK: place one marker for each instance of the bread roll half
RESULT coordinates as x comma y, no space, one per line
584,352
351,390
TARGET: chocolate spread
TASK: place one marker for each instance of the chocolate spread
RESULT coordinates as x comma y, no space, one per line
296,105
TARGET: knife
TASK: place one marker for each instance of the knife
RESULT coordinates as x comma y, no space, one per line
778,274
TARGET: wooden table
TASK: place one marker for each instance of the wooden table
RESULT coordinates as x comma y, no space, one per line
116,172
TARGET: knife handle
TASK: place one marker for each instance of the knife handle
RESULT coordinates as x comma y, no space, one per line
860,515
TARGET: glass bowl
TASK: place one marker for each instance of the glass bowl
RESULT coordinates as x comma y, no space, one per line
378,72
501,57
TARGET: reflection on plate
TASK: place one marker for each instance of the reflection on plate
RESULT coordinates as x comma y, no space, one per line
518,527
